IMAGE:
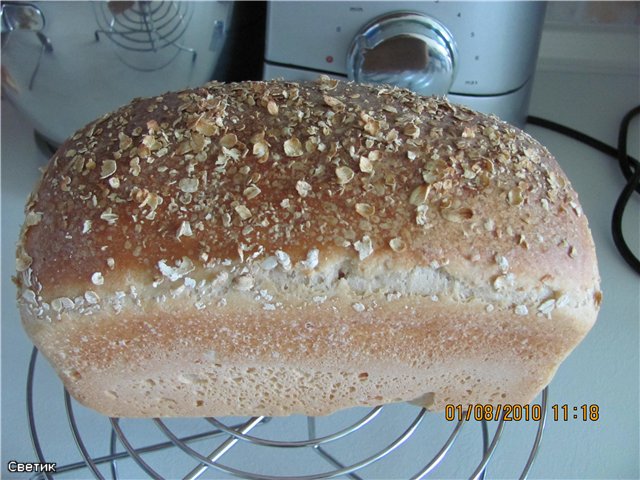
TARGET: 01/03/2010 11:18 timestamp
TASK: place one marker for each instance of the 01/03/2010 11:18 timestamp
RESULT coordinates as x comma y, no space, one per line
516,412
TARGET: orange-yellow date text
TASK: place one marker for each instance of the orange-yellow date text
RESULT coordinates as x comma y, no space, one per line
517,412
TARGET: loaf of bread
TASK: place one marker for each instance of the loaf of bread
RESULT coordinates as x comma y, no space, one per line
274,248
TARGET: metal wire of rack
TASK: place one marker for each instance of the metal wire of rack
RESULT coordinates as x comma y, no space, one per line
225,438
144,27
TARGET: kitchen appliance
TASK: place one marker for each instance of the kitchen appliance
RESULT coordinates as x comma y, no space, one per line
481,54
66,63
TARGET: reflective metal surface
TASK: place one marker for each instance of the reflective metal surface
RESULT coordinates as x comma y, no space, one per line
409,50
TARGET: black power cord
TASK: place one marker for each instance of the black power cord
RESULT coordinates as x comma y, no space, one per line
629,166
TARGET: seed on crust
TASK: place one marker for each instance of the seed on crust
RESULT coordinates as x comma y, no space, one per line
502,262
251,192
327,83
23,260
243,211
412,131
421,214
206,127
365,209
374,155
189,185
458,215
97,278
272,108
175,273
365,165
358,307
468,132
515,196
260,149
134,165
293,148
32,219
419,194
243,283
125,141
184,230
489,225
562,300
283,259
547,306
364,247
108,168
229,140
372,127
62,303
502,282
334,102
397,244
269,263
109,217
303,188
344,174
312,260
91,297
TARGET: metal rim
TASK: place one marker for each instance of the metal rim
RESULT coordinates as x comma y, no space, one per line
372,29
115,424
33,431
330,474
143,29
298,443
439,456
78,439
536,443
127,34
479,471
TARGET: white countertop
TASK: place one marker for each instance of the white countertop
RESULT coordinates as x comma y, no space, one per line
603,370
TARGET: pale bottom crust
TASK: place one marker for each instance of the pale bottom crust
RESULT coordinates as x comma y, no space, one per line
307,361
280,390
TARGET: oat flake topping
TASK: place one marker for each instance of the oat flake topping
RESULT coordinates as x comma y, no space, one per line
277,173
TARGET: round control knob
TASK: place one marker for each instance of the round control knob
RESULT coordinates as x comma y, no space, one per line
406,49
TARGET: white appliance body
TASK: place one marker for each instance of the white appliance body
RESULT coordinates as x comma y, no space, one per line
494,46
64,64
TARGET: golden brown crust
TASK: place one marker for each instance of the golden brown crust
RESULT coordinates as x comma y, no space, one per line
289,198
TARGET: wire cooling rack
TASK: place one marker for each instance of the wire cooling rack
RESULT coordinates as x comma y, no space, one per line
248,448
145,27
